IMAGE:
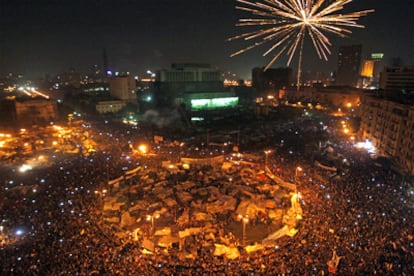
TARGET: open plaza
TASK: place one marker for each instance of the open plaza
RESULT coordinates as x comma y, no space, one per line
293,196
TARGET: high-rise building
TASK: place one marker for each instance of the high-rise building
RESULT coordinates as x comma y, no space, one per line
194,88
371,70
389,125
349,59
397,79
123,87
184,78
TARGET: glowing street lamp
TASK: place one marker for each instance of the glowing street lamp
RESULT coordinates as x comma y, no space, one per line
101,195
245,220
152,219
298,169
180,149
266,158
143,149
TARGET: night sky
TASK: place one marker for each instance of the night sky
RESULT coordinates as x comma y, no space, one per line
45,36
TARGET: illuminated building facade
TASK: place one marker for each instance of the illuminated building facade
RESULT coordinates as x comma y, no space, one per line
210,101
187,78
389,125
371,70
368,68
110,106
123,87
333,96
398,79
194,86
349,59
96,88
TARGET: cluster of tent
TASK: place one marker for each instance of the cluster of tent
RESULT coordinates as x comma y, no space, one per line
202,197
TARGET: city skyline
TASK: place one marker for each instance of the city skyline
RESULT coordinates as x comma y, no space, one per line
53,36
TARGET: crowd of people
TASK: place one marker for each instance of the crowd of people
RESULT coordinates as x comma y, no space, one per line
54,224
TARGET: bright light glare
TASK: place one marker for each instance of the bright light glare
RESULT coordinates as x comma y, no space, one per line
367,145
25,168
142,148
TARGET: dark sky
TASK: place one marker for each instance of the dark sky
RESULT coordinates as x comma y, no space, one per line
45,36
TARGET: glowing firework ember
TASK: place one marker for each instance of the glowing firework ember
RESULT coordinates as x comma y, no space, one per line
290,20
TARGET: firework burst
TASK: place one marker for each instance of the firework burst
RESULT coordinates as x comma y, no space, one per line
288,22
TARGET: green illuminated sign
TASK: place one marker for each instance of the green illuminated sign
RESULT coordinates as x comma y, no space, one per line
377,55
214,103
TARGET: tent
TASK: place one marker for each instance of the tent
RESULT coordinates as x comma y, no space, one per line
280,233
252,248
167,241
230,252
147,245
189,231
163,232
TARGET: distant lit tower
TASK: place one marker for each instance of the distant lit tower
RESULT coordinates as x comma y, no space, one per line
105,63
371,70
349,59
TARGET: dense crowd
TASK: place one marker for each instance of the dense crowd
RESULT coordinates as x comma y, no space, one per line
364,214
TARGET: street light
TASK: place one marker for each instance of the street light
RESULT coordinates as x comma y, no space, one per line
101,195
266,158
142,148
152,219
298,169
245,220
180,151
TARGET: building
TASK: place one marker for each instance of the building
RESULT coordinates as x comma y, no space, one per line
337,96
210,100
371,71
397,79
69,79
7,113
123,87
389,125
349,60
35,111
270,81
196,90
332,96
187,78
104,107
96,88
293,94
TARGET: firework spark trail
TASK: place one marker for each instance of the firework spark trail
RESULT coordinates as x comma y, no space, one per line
288,22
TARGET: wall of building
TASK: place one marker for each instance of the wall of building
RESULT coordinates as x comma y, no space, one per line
389,125
332,96
35,112
349,60
397,78
271,80
186,78
110,106
123,88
